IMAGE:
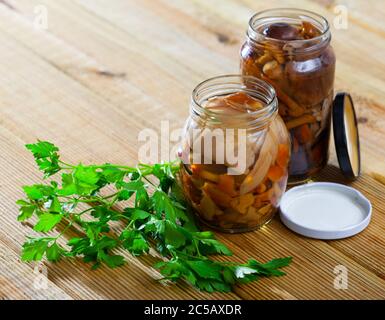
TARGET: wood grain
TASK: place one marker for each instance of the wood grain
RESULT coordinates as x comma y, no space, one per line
103,71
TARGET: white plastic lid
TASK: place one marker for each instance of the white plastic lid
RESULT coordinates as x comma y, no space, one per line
324,210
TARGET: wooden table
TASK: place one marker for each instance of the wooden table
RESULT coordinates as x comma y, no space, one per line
104,70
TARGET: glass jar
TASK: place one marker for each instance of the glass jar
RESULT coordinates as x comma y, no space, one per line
235,153
291,50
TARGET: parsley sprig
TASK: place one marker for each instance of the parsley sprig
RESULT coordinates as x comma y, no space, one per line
90,198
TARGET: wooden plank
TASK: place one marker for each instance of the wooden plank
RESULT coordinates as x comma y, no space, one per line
24,282
96,123
366,248
311,273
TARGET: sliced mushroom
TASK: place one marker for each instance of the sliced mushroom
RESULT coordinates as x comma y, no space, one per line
266,57
273,70
261,166
306,118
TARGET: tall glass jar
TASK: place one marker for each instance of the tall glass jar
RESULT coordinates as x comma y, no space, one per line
291,50
235,153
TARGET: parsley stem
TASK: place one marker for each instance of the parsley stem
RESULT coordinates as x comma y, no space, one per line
92,200
103,166
88,200
197,248
64,230
181,253
68,166
84,211
149,181
124,217
112,202
107,165
111,195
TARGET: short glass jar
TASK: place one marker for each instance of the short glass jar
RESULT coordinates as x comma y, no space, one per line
235,153
290,49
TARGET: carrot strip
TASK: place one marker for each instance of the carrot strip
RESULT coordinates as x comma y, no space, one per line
226,184
306,118
305,134
275,173
283,155
220,198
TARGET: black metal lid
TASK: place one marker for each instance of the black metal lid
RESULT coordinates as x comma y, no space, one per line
346,138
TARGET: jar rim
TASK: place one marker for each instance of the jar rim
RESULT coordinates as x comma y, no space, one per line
312,16
216,86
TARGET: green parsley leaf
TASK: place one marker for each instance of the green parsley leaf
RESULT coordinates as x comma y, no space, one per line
228,275
216,247
47,221
94,228
132,185
33,192
134,242
54,252
111,261
79,245
113,174
142,199
34,249
162,204
206,269
43,149
46,156
173,235
138,214
106,243
104,214
26,212
124,195
38,191
68,185
55,205
86,179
